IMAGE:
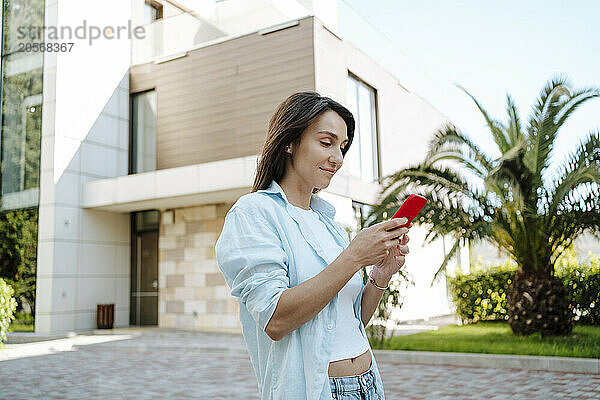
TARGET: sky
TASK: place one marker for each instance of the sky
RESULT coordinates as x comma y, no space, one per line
491,49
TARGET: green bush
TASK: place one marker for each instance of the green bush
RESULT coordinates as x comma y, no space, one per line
583,284
481,296
18,254
8,305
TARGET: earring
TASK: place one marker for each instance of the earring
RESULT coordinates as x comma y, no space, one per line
287,149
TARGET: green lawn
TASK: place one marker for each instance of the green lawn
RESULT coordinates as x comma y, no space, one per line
497,338
23,322
20,327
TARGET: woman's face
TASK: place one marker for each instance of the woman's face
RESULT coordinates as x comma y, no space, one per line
319,151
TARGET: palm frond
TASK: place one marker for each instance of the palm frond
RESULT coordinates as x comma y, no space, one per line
512,181
575,100
577,214
512,153
495,126
542,104
448,138
539,139
581,167
442,268
443,182
514,123
558,104
458,156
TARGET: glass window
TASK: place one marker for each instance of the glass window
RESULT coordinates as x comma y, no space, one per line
147,220
144,268
23,23
20,144
21,97
143,148
152,12
362,156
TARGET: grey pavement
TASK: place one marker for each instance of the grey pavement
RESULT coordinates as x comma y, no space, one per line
177,364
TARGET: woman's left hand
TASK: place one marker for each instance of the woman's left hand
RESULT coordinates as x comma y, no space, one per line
384,270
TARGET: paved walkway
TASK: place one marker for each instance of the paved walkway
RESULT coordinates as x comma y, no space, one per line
175,364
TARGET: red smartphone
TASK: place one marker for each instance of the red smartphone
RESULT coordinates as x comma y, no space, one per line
410,208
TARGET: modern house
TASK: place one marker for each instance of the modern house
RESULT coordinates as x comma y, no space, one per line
145,141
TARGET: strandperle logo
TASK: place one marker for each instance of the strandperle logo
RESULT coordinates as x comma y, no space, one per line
83,31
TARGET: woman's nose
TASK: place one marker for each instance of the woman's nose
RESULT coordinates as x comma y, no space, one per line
337,157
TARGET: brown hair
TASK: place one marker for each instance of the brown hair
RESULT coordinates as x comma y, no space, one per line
286,126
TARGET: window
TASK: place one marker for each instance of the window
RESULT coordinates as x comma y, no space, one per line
362,156
21,107
143,308
143,132
152,11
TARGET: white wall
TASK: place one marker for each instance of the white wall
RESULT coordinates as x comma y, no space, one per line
83,255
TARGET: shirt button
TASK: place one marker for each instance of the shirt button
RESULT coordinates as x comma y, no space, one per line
330,326
364,380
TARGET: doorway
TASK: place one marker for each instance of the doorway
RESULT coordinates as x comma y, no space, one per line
143,306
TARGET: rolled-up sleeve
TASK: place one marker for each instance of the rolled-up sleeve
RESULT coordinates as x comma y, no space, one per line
250,256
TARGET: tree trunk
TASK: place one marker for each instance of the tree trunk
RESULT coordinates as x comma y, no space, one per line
539,303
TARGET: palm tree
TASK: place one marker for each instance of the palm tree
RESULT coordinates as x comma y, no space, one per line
511,200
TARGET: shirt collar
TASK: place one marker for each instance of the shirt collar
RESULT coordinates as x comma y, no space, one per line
316,203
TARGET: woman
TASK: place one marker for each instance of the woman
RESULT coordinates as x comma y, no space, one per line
303,305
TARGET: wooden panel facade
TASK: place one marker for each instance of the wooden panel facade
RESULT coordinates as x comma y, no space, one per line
215,103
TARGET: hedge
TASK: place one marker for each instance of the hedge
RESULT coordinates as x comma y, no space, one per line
481,296
8,305
584,293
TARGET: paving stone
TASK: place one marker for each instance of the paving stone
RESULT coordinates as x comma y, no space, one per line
185,364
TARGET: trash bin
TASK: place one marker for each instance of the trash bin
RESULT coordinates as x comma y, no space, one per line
105,316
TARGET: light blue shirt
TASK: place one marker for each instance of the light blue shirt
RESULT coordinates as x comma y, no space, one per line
265,248
348,342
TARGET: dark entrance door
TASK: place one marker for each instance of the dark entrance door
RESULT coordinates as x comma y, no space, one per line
144,268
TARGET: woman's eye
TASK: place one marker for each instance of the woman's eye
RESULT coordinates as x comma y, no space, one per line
325,143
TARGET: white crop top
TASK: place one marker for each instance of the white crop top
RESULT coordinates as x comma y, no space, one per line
348,340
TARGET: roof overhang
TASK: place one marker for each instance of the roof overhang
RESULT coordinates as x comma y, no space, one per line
223,181
208,183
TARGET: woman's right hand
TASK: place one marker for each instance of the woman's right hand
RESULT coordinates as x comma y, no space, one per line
371,245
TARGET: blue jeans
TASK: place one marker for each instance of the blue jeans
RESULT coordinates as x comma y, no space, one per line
356,387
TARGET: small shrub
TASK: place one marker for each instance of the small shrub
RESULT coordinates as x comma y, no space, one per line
24,318
481,296
376,335
583,284
8,305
